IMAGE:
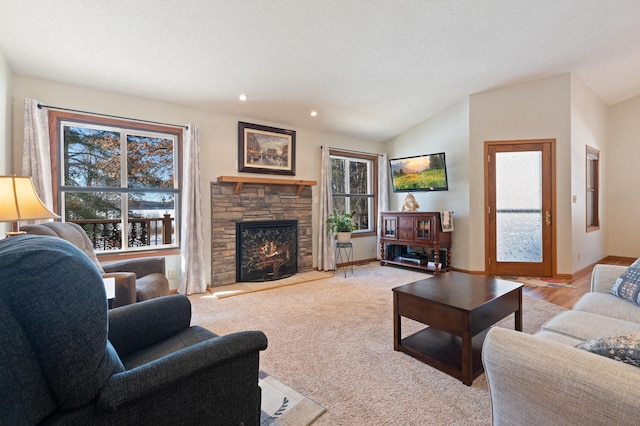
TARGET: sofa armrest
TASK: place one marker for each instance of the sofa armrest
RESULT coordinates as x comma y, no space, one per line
141,266
125,288
137,326
534,381
603,277
200,368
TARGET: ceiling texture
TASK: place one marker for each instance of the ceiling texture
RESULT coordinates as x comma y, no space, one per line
371,68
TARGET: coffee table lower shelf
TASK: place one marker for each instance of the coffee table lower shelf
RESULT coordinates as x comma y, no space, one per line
443,350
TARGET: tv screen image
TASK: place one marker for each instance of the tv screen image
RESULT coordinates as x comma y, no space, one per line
419,173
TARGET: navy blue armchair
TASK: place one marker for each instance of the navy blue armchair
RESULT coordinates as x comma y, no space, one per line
66,359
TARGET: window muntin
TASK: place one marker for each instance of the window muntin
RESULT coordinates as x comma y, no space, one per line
108,169
354,187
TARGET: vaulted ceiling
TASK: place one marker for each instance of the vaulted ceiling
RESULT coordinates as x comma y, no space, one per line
370,68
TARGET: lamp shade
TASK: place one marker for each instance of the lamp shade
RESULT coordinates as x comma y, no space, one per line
19,201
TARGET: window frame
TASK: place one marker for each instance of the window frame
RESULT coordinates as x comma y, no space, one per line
373,220
592,187
55,119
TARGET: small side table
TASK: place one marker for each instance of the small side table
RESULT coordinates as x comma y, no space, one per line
344,252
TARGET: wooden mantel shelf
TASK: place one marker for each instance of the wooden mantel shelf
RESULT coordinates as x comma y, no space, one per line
240,180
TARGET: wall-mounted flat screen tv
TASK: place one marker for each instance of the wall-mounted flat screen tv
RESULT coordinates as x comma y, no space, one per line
419,173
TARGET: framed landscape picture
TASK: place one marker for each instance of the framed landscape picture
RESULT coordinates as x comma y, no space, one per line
264,149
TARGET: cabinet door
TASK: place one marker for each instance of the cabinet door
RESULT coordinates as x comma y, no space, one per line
424,229
390,227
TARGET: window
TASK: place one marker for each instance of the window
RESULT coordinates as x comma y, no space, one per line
354,183
593,186
119,180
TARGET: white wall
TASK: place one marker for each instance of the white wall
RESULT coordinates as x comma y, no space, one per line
446,132
5,127
218,138
623,179
588,127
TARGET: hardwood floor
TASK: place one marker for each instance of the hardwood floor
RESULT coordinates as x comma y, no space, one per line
566,297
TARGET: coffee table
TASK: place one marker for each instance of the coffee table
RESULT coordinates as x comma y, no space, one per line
458,309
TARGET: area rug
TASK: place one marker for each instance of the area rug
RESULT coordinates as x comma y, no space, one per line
332,341
283,406
539,281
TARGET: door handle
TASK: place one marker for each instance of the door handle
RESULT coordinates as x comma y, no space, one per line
548,217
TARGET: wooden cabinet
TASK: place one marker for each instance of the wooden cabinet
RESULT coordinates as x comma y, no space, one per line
416,240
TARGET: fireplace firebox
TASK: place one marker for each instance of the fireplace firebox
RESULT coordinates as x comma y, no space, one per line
266,250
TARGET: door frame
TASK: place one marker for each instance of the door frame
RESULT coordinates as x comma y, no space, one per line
489,262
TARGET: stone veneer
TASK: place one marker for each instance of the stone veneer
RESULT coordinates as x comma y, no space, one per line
255,202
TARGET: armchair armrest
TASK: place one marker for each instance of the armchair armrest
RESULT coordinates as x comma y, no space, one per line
603,277
137,326
141,266
203,367
125,288
534,381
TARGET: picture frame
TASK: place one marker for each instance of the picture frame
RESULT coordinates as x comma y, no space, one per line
264,149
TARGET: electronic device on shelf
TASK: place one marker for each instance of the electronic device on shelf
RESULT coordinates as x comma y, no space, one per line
416,260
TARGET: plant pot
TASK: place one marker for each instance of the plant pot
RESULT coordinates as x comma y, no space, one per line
343,237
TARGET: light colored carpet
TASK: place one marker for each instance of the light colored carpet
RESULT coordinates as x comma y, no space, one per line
332,341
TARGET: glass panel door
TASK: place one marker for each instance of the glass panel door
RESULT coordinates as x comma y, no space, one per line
519,206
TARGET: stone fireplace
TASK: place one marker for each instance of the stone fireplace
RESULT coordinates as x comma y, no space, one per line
284,200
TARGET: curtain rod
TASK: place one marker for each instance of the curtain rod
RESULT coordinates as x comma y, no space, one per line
351,150
111,116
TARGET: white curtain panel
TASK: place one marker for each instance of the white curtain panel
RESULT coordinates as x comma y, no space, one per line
326,250
36,153
192,235
383,195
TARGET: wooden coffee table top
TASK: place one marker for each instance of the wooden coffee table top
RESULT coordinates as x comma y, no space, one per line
462,291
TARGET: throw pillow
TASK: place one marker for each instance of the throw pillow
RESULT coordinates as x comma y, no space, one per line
621,347
627,285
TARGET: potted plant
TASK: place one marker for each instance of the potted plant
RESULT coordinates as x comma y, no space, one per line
341,225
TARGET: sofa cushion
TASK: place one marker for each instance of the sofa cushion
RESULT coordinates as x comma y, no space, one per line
608,305
627,285
621,347
565,339
586,325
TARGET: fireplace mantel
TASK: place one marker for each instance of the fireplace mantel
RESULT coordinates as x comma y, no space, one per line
239,180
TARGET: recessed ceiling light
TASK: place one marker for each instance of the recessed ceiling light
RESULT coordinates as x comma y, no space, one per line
314,113
242,97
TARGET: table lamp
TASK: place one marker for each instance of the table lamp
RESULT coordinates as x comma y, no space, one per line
19,201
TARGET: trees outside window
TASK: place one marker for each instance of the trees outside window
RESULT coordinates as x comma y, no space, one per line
354,183
118,180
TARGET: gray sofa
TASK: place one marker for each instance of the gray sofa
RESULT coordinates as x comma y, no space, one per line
65,359
543,379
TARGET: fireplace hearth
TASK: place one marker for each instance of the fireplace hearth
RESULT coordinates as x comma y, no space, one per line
266,250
